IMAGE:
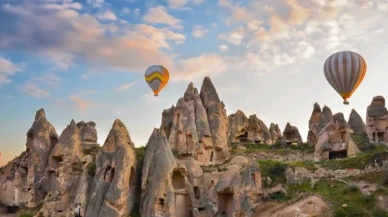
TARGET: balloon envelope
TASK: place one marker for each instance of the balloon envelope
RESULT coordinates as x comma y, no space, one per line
345,71
156,77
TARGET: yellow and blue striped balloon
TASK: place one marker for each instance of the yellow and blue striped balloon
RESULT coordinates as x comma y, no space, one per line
156,77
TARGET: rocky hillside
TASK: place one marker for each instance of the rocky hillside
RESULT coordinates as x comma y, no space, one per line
203,163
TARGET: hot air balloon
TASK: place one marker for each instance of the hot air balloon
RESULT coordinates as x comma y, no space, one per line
156,77
345,71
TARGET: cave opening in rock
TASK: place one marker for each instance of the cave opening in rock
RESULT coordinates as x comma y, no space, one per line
211,156
253,175
53,141
225,204
109,174
132,177
182,205
197,192
56,160
289,135
243,138
159,205
178,181
30,136
338,154
342,136
380,136
53,183
12,209
219,155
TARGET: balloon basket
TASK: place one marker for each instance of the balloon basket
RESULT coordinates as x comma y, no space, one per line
346,103
156,95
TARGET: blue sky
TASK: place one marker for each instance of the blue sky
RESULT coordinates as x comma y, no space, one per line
85,60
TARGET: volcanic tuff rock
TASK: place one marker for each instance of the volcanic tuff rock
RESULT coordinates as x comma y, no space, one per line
114,185
63,171
334,141
326,111
377,120
276,133
356,123
258,131
238,125
198,126
317,122
157,192
291,135
239,189
251,130
41,138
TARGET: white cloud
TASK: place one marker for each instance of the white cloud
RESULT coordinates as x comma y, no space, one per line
7,69
136,12
48,77
79,103
83,37
124,87
95,3
177,3
223,48
199,66
199,31
34,91
125,10
107,15
159,15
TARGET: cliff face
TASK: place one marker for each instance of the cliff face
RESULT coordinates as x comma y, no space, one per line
187,168
377,121
248,130
197,127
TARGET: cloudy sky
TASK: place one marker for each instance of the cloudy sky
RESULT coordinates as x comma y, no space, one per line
85,60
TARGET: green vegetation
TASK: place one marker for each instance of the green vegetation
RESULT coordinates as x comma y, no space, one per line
361,161
140,151
275,170
277,148
278,196
339,193
26,215
309,165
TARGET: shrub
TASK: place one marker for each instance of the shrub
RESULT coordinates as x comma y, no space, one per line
349,212
350,188
278,196
380,213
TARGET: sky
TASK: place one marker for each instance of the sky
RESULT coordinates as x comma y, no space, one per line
85,60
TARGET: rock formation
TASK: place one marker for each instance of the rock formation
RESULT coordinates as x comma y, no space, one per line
239,189
238,127
63,171
41,138
291,135
244,130
187,168
276,133
114,185
356,123
197,127
319,118
377,120
334,141
23,184
326,111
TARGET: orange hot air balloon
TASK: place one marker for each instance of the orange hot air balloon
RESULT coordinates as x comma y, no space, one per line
156,77
345,71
